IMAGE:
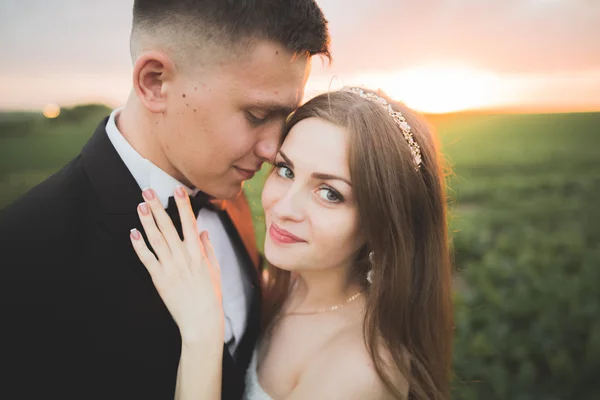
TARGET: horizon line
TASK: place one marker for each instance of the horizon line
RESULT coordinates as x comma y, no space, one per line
528,109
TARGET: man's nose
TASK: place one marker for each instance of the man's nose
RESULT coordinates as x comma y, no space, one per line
266,147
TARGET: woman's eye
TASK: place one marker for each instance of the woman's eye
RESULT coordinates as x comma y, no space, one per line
330,195
285,172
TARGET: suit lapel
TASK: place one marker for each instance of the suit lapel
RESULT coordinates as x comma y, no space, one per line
114,187
241,217
237,220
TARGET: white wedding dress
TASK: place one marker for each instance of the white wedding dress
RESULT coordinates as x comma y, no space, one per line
253,389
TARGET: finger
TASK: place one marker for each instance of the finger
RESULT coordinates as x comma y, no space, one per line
186,215
155,237
165,225
209,251
143,253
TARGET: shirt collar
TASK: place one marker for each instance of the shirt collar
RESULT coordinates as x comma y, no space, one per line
145,173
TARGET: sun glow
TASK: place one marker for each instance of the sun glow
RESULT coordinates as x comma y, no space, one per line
440,89
51,110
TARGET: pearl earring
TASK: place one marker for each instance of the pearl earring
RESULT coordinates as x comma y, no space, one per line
370,273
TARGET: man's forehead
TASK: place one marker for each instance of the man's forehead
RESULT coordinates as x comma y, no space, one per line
275,68
276,89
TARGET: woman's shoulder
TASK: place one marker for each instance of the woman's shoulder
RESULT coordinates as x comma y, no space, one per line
343,369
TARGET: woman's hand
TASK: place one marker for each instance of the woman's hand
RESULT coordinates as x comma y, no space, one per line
185,273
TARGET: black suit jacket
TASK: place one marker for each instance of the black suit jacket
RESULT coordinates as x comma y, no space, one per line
80,316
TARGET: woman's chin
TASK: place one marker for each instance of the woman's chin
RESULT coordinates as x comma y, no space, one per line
277,261
281,258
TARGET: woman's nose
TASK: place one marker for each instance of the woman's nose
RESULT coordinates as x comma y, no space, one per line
290,206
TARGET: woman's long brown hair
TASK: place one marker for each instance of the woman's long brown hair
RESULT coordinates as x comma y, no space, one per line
408,325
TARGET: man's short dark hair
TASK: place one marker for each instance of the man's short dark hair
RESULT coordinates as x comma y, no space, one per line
297,25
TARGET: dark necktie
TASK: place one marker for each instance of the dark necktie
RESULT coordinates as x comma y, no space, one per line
199,201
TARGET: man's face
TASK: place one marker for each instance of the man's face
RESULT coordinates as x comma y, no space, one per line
224,120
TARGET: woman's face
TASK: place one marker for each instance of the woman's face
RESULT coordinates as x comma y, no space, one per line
310,211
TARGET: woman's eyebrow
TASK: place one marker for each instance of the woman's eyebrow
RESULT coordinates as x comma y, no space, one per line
286,159
327,177
316,175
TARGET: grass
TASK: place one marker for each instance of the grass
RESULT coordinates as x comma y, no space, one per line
32,147
525,234
544,164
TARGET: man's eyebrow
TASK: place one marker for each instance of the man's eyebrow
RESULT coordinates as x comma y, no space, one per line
274,107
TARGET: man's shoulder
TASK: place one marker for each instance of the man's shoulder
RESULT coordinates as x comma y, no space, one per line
49,202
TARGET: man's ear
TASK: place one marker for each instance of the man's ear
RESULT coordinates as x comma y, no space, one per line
151,71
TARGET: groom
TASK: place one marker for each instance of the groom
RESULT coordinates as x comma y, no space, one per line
213,81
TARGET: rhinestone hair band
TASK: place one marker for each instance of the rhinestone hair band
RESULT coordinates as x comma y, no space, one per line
399,119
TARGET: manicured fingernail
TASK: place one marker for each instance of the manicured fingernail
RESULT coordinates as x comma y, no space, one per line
144,208
135,234
148,194
180,192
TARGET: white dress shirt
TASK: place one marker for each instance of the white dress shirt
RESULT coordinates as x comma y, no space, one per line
237,289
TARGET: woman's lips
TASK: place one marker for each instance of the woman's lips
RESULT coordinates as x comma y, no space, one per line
283,236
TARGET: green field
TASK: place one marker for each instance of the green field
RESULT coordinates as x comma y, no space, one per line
525,225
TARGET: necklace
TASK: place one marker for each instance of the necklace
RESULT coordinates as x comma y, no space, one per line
322,310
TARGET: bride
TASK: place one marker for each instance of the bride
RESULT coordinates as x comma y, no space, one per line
357,298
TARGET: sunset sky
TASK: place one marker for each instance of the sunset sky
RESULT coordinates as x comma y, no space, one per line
435,55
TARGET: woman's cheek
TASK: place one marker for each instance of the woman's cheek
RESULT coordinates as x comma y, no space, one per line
337,228
269,193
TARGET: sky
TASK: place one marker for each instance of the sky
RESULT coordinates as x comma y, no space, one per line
435,55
